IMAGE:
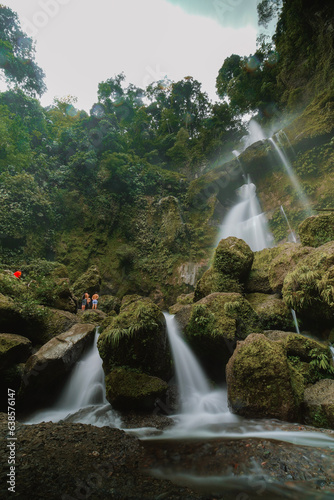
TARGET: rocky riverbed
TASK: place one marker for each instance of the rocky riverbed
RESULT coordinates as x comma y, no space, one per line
75,461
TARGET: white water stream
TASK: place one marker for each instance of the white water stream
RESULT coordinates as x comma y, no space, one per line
246,220
83,398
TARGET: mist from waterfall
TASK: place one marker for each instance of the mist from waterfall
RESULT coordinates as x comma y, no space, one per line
246,221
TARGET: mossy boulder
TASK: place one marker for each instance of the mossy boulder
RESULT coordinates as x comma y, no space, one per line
131,390
89,282
212,326
309,288
319,404
181,301
109,303
260,381
258,278
234,258
310,358
10,286
213,281
317,230
290,255
231,265
137,338
271,310
14,349
94,316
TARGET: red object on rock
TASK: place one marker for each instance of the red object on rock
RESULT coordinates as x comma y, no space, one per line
17,274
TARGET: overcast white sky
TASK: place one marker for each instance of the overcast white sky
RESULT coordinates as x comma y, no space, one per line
80,43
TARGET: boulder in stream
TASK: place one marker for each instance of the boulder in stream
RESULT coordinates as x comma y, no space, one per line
45,370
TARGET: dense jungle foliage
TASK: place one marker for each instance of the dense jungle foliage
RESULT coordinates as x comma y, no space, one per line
113,186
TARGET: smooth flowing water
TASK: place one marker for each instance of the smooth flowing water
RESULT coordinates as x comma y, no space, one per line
246,220
83,398
291,235
294,180
295,320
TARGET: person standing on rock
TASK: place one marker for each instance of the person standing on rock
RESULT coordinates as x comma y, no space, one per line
85,301
95,299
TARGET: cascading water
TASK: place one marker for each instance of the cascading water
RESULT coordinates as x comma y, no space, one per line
288,168
83,398
294,316
292,235
200,405
246,220
255,134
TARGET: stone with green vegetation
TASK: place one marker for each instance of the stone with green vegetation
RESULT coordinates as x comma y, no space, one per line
89,282
136,338
108,303
14,349
213,281
258,279
261,383
287,259
309,288
271,310
319,404
128,389
234,258
231,265
212,326
317,229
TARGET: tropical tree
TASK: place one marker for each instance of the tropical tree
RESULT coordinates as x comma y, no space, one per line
17,55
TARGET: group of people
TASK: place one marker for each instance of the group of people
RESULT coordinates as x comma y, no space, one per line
89,303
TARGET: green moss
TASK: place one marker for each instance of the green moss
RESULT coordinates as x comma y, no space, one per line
213,281
272,311
290,255
258,279
259,381
234,258
309,287
136,338
131,390
317,230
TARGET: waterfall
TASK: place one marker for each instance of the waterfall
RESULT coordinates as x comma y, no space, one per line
332,351
288,168
83,397
291,232
295,320
246,220
200,405
255,134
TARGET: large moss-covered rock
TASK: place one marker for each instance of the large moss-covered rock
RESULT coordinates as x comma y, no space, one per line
108,303
89,282
131,390
271,310
10,286
258,278
14,349
309,288
319,404
234,258
260,381
213,281
213,324
317,230
45,370
137,338
290,255
231,265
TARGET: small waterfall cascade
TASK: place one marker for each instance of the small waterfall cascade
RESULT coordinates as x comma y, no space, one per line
200,405
292,235
255,134
295,320
295,182
332,351
83,398
246,220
